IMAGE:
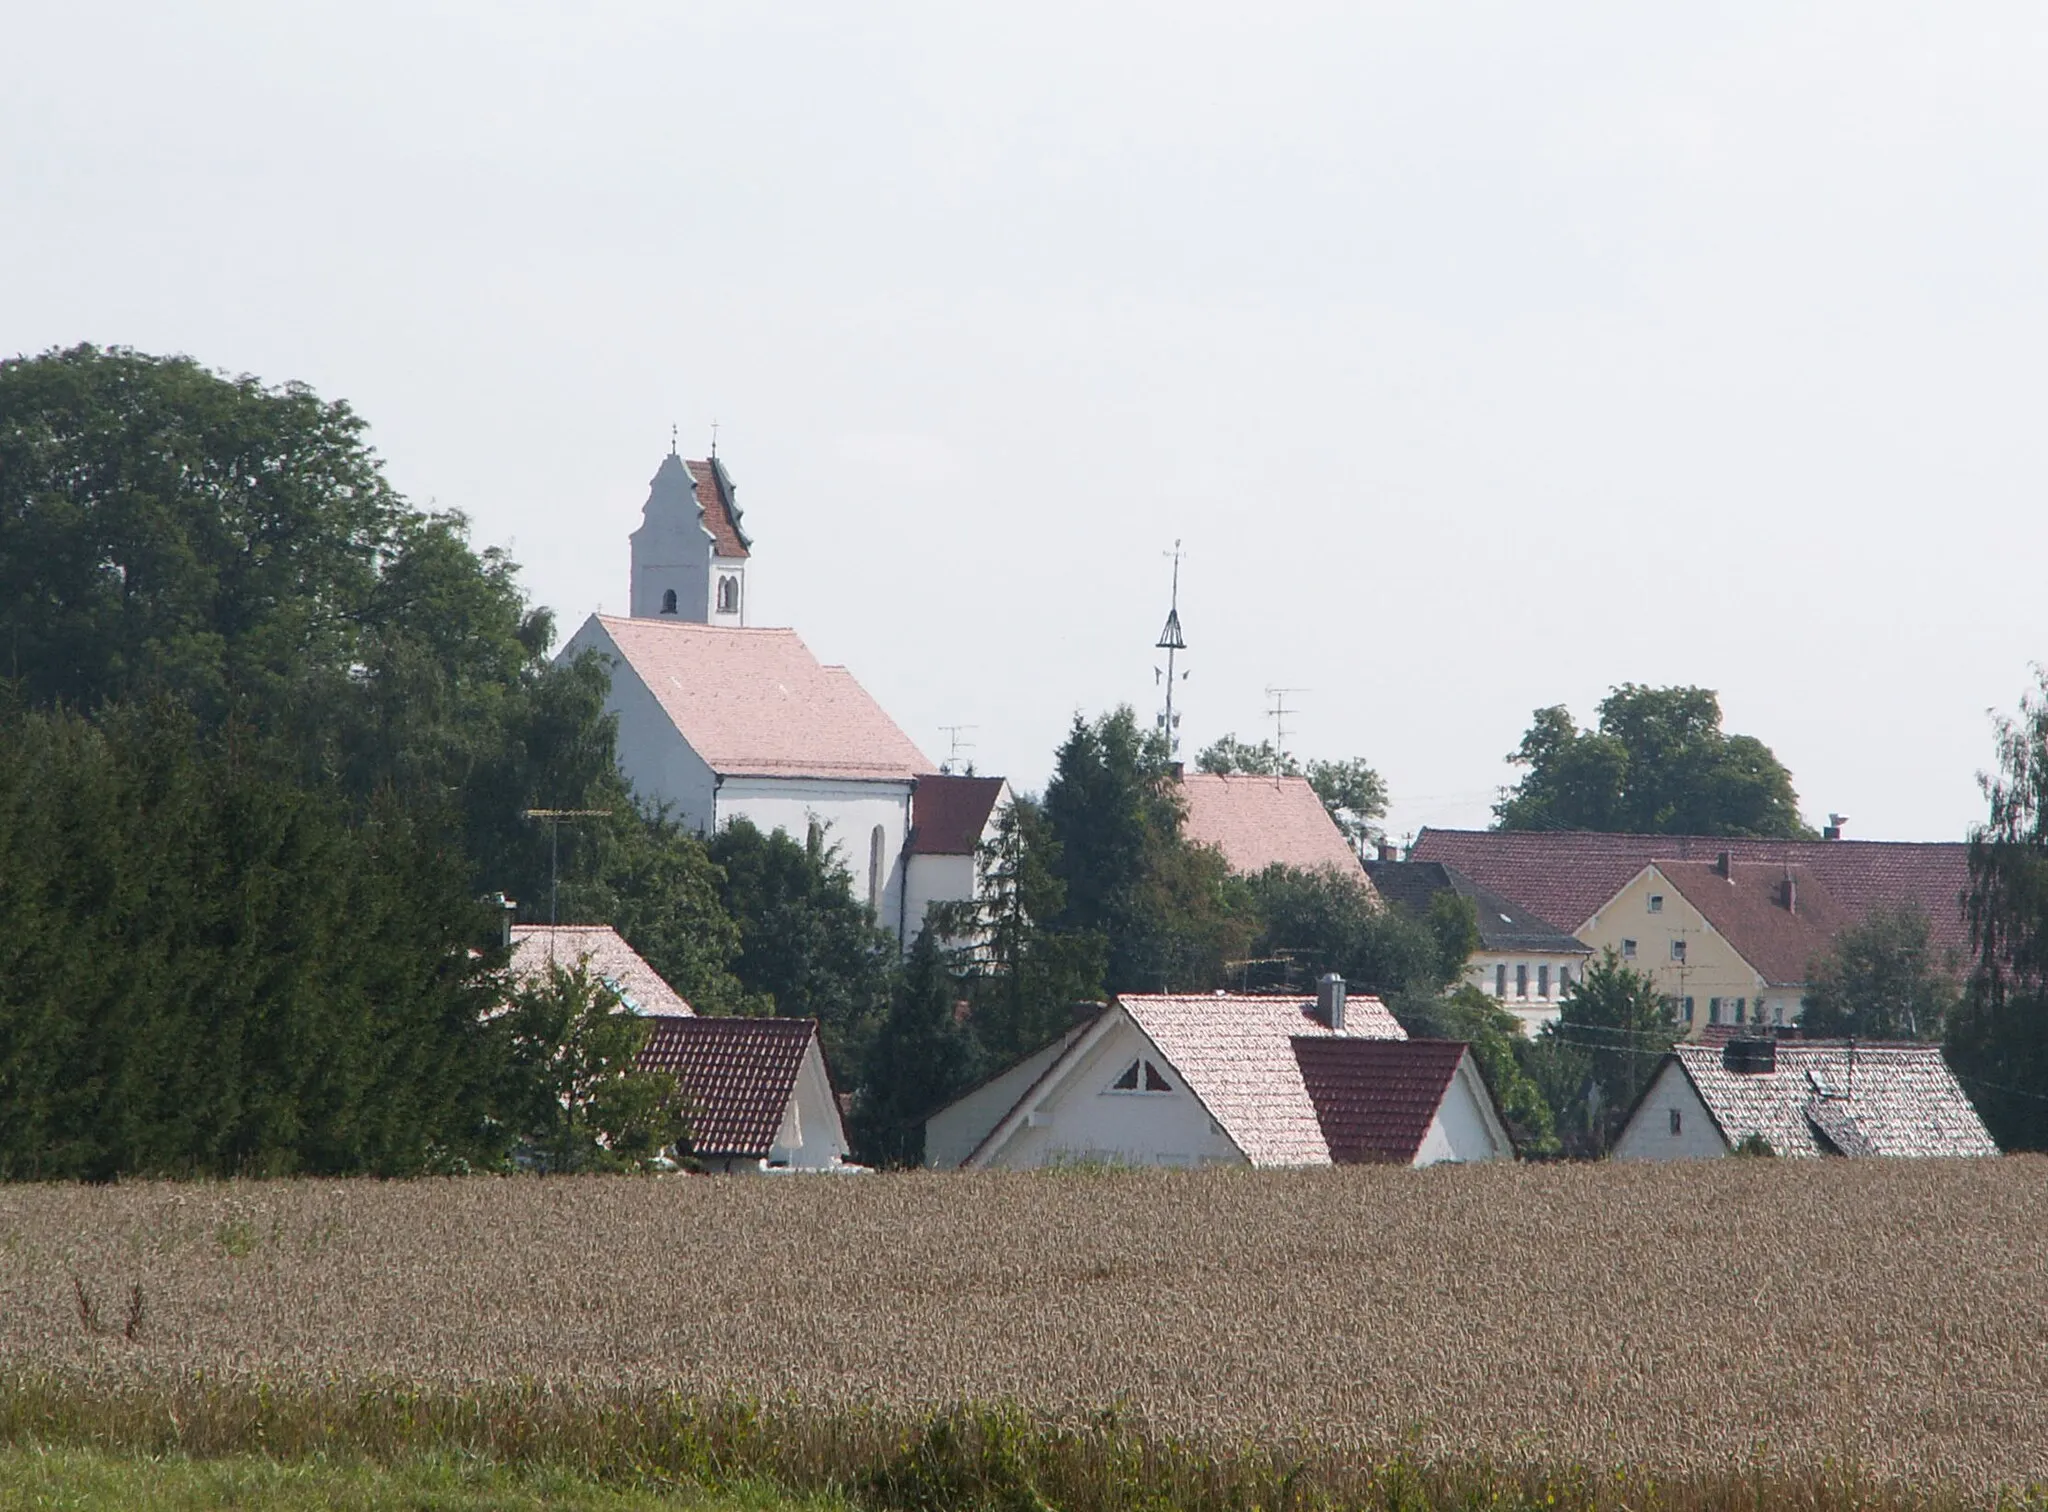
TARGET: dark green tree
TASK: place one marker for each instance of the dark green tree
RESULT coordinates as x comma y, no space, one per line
1319,921
1354,794
1998,1035
1883,978
1658,763
923,1056
1613,1030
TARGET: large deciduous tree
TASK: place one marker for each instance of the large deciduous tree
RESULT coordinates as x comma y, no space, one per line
1658,763
1882,978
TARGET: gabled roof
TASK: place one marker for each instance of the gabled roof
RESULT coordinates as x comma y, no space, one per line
714,493
736,1076
1778,918
604,953
1375,1099
1567,876
948,814
757,703
1827,1097
1236,1055
1503,925
1259,822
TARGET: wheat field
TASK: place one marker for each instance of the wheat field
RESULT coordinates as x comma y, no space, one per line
1690,1319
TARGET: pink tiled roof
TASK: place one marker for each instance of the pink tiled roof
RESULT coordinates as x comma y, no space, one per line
1237,1055
757,703
948,814
1567,876
736,1076
721,515
604,954
1374,1098
1259,822
1897,1100
1747,907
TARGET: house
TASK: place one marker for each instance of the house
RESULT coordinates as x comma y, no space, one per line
951,818
1525,963
756,1090
1257,822
1803,1098
1161,1080
1728,928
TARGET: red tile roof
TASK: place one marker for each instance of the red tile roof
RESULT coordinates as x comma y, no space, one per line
1567,876
603,952
948,814
736,1076
1376,1099
714,491
758,703
1747,907
1259,822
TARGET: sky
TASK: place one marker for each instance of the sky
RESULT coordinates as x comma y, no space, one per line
1482,356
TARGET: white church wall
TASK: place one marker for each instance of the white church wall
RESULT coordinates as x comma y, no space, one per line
848,812
1083,1119
652,753
934,879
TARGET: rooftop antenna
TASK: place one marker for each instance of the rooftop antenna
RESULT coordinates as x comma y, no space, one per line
1171,643
1278,714
554,818
953,733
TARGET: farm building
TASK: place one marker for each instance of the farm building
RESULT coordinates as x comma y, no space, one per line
1803,1098
1228,1080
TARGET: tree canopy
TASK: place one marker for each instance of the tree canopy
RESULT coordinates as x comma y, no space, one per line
1882,978
1658,763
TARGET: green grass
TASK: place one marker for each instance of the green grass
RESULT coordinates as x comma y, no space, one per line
81,1480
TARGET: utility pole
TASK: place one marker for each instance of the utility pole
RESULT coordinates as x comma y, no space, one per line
554,818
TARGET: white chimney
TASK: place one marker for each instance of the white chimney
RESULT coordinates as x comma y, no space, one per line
1330,1001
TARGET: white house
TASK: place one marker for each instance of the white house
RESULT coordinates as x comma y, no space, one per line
1803,1098
757,1094
1228,1080
951,818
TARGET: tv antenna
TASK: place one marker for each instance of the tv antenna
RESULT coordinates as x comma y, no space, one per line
956,744
554,818
1278,714
1171,643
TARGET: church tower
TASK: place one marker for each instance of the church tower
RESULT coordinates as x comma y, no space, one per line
690,554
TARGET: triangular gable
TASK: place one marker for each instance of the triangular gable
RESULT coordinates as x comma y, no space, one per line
604,953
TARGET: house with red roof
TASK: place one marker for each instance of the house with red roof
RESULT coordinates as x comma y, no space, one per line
1261,821
951,818
1258,1080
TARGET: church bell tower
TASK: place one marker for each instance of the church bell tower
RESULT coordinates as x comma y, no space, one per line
690,552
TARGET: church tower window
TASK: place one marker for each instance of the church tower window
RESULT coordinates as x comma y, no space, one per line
728,595
668,601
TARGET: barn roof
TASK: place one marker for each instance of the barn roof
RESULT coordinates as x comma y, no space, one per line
604,953
1259,822
736,1076
1375,1099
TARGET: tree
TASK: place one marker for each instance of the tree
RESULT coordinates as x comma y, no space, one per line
572,1098
1998,1036
922,1057
1882,979
1658,763
1320,921
1612,1031
1354,794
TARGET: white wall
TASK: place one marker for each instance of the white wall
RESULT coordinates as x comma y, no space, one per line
935,879
1648,1135
849,813
951,1134
653,755
1465,1127
1485,969
812,1137
1081,1119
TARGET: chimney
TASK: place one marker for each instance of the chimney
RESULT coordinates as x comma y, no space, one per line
1750,1057
1179,770
1387,850
507,910
1723,865
1833,829
1791,892
1330,1001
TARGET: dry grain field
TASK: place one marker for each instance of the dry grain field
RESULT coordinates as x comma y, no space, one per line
1696,1318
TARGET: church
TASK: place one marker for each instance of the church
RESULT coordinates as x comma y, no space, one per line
720,720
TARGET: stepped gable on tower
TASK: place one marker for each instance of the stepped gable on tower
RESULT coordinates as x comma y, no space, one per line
691,551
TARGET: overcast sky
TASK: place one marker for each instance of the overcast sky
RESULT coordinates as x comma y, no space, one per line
1483,356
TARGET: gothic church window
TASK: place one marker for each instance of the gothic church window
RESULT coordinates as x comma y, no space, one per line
875,843
728,595
668,601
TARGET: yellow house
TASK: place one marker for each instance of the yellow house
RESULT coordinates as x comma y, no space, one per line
1726,941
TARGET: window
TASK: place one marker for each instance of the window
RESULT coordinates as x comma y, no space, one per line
1713,1010
1741,1006
1543,981
1628,950
1141,1076
1688,1010
1522,980
875,844
728,595
1677,1123
1678,951
1656,902
1564,980
668,601
1500,981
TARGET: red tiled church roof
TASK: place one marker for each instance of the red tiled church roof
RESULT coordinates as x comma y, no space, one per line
1376,1098
1259,822
736,1076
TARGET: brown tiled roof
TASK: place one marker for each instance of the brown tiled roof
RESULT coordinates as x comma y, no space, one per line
1236,1054
1259,822
1375,1099
736,1076
1827,1097
1747,907
603,952
1567,876
757,703
714,491
948,814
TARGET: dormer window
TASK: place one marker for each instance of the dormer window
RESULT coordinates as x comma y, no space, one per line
668,601
728,595
1141,1076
